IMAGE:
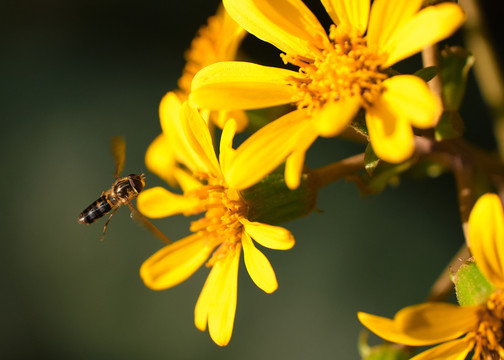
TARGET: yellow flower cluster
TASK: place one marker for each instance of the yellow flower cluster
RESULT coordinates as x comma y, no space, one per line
339,72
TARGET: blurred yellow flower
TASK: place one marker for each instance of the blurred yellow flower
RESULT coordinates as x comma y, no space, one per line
434,323
338,73
216,41
219,236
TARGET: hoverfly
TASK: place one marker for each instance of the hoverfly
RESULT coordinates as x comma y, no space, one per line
121,193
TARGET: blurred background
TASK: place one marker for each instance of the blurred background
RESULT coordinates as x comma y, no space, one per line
76,73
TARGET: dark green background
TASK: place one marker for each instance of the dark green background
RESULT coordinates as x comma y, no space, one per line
75,73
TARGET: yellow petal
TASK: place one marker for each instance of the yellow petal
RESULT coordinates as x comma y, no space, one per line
486,237
427,27
424,324
226,151
410,97
199,139
333,118
265,150
273,237
349,14
222,309
452,350
206,297
391,136
386,17
158,202
258,266
295,162
175,263
160,159
289,25
241,85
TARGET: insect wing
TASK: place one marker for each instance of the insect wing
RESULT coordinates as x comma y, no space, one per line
142,220
118,146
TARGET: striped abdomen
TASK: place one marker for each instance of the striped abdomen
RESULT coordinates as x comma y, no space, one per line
97,209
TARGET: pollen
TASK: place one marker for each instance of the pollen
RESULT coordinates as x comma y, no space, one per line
344,68
489,335
221,223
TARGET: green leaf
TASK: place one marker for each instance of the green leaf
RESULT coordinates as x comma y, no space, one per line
385,351
450,126
455,63
370,160
270,201
471,286
359,123
427,74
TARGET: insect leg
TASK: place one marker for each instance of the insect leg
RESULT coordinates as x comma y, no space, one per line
106,224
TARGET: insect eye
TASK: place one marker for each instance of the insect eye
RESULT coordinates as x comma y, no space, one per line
136,182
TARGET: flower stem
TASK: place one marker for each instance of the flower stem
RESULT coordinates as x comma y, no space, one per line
323,176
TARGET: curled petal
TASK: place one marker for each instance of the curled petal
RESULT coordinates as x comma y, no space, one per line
273,237
258,266
175,263
158,202
222,309
486,237
427,27
391,135
206,297
241,85
295,161
226,151
333,118
289,24
410,97
424,324
265,150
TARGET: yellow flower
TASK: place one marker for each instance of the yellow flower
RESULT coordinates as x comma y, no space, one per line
434,323
338,73
219,236
217,41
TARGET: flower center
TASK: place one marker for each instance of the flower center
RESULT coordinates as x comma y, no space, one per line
346,67
221,223
489,336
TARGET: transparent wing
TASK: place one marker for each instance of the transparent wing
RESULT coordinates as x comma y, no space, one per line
142,220
118,146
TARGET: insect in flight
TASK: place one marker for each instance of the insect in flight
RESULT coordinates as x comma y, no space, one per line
121,193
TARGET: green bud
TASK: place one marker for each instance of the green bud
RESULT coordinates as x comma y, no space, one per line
450,126
471,286
270,201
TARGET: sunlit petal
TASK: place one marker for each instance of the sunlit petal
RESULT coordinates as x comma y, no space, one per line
226,151
386,16
221,313
410,97
391,136
258,266
486,237
221,117
266,149
157,202
289,24
427,27
424,324
241,85
206,296
186,181
351,14
333,118
273,237
198,136
295,162
452,350
175,263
